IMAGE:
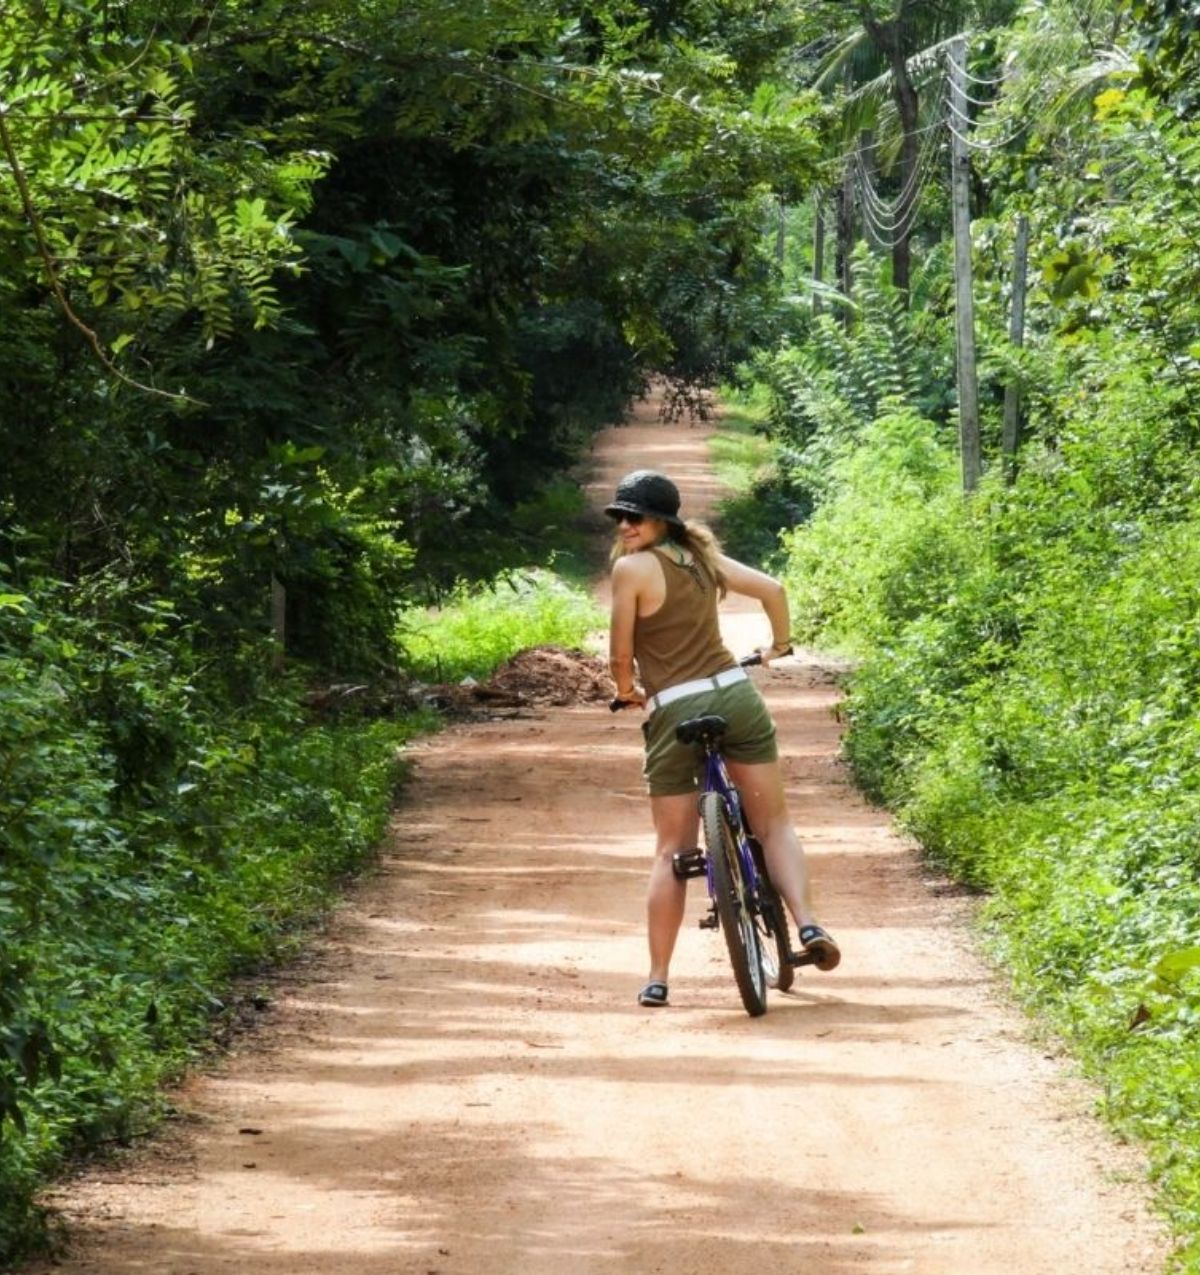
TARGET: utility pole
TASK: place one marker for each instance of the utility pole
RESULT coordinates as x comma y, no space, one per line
1011,437
964,308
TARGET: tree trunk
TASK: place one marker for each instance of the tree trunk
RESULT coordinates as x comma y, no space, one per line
1011,438
278,621
845,238
818,266
964,303
908,106
888,38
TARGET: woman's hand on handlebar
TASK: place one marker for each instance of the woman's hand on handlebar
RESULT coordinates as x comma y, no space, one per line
631,699
765,654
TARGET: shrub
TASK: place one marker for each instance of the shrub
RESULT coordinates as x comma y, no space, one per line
154,842
480,626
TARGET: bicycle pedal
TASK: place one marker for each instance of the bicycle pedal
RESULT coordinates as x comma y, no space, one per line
689,863
709,922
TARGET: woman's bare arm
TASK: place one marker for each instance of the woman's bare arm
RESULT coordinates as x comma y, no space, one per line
625,581
753,583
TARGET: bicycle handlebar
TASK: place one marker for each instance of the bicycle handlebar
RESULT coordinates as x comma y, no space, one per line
748,661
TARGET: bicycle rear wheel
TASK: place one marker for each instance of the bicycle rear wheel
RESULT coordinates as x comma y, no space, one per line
733,905
773,938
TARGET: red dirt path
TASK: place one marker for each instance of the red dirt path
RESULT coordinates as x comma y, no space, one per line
458,1080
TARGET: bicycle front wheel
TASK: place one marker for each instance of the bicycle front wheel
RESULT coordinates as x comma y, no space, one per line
733,905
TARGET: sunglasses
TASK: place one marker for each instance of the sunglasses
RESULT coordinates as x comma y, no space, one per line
634,520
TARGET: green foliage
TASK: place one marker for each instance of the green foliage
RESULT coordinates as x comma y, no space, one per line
478,628
739,450
155,840
763,499
1165,39
1028,702
860,567
1027,692
437,244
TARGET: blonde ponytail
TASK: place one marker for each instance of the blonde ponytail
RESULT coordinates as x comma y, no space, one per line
705,548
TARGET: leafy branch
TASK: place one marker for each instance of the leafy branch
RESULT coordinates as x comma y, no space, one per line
52,277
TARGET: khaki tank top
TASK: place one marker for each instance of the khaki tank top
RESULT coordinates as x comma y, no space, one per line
681,640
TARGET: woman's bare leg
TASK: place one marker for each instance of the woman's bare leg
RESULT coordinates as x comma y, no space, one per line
761,786
676,825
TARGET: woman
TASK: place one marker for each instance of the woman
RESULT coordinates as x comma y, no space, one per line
667,578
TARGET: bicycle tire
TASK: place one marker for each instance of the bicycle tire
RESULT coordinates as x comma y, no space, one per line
774,939
737,921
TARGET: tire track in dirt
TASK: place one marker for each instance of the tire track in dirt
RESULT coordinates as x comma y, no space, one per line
458,1080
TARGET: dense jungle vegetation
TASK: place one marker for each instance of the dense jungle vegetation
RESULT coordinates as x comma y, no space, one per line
309,309
1027,693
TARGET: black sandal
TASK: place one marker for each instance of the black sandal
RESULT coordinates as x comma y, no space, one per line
653,995
814,939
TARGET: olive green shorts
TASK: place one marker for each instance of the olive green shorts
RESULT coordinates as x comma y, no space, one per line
672,768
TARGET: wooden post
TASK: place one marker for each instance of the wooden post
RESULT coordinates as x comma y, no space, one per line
1011,437
818,266
964,308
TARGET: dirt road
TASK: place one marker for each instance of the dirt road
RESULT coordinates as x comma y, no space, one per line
460,1081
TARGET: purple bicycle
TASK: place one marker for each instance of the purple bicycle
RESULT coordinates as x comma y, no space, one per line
743,902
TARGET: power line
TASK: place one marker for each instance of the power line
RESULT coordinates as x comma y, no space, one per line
892,213
980,102
984,146
890,235
917,132
893,206
979,79
76,117
893,228
986,142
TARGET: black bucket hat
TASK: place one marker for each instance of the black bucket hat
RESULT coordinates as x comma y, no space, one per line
648,493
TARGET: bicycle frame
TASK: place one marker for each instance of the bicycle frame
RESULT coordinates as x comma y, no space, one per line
771,962
716,779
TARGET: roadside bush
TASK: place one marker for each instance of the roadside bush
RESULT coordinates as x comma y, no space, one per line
881,548
153,844
480,626
1028,700
763,496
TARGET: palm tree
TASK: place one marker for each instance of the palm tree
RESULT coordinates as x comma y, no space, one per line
885,60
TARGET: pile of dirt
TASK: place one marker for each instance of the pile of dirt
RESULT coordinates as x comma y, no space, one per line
538,675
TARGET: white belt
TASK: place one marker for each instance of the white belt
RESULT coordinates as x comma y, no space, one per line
697,687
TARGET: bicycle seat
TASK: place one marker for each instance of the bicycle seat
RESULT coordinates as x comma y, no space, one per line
701,729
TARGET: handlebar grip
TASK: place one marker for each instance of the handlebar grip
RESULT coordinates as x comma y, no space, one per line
751,660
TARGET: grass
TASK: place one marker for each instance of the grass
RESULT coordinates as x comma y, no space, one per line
742,454
762,502
482,626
